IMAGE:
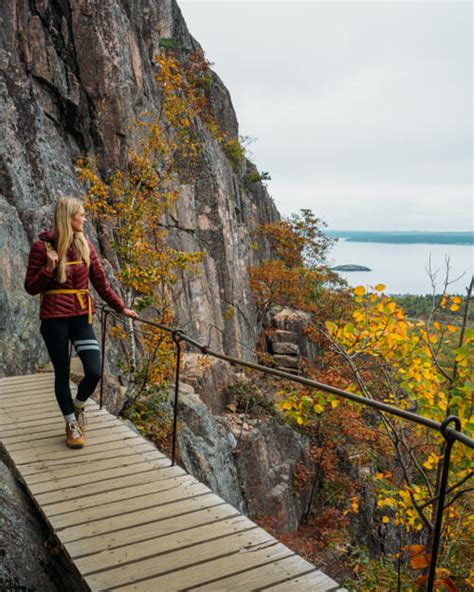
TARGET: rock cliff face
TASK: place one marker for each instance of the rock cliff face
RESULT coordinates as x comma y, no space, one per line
74,74
252,465
29,561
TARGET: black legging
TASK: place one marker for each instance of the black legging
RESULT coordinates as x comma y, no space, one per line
56,334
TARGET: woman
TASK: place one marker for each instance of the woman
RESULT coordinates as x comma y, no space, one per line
59,268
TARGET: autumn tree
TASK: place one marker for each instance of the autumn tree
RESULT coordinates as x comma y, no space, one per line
417,366
370,347
297,274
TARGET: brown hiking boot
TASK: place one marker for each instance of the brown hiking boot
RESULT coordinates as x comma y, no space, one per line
74,435
80,418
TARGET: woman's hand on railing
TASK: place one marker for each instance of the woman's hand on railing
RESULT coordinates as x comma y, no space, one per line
129,313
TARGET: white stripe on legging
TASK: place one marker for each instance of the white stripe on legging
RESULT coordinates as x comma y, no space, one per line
85,342
84,347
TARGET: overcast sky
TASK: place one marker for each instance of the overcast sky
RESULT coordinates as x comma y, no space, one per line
362,111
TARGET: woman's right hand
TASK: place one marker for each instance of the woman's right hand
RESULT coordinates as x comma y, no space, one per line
52,259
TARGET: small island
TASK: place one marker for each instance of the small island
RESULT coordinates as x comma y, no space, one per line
350,268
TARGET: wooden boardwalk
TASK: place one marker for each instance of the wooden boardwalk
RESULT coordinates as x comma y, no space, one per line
126,518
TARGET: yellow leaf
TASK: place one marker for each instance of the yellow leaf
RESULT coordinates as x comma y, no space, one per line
334,404
380,287
318,408
299,420
432,461
359,291
385,519
379,475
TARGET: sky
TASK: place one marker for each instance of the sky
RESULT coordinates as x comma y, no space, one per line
359,111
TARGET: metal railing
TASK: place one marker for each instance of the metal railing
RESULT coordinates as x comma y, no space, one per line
450,434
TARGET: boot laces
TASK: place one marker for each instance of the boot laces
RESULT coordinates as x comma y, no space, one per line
75,429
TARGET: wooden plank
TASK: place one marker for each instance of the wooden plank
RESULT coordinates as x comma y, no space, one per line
179,560
117,508
66,455
13,429
93,425
25,388
99,465
27,378
58,435
178,525
22,413
50,403
88,453
111,484
42,416
36,390
241,558
52,419
27,456
9,387
54,484
14,420
22,439
262,578
42,410
43,398
18,397
23,376
42,448
315,581
107,497
75,533
187,539
77,462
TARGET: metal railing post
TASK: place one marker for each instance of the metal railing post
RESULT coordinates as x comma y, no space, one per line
441,495
103,335
177,340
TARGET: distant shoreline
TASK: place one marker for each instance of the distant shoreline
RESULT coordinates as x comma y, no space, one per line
404,237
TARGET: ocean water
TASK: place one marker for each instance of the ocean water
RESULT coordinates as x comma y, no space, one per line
403,267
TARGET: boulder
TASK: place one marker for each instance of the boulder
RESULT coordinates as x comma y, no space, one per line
288,325
286,361
209,377
284,347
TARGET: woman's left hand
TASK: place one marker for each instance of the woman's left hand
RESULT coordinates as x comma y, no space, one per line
129,313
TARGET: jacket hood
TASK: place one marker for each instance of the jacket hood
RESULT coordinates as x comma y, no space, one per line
47,235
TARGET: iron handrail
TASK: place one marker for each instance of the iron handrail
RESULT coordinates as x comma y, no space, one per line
451,435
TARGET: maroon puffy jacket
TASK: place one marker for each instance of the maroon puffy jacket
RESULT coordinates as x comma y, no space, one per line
39,279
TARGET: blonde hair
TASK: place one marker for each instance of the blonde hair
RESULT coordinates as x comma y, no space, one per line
66,208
